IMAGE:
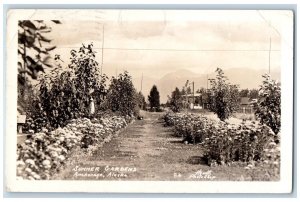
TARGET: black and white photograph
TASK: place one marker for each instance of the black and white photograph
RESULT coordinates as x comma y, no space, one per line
193,99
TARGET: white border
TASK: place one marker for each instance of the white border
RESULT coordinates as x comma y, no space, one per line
283,186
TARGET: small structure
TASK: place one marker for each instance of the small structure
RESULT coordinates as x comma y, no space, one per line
21,119
246,105
193,100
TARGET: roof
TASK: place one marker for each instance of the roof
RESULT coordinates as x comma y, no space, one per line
245,101
191,95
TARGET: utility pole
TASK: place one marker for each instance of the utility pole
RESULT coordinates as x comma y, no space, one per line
142,83
193,94
102,48
206,82
270,55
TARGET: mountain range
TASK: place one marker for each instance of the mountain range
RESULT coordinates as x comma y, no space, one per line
244,77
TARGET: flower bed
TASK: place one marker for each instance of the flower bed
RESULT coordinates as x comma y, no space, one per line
224,142
43,153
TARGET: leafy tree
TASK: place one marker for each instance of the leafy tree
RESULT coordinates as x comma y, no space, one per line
88,80
201,90
141,100
244,93
268,108
254,94
64,93
176,101
204,95
34,56
154,98
225,96
121,96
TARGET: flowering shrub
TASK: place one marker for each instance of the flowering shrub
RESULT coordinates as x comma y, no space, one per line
268,109
223,142
269,168
44,152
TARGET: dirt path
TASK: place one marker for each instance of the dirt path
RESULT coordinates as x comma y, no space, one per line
145,150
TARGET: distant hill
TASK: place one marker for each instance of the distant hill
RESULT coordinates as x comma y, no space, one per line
246,78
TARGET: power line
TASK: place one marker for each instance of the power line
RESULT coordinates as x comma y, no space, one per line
270,55
181,50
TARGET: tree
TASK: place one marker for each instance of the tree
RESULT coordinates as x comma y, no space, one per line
88,80
121,96
244,93
176,101
64,93
154,98
268,108
141,100
225,96
254,94
34,56
203,96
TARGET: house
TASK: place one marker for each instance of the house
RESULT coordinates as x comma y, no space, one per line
193,100
246,105
245,101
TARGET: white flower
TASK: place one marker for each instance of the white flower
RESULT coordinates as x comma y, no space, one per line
46,163
61,158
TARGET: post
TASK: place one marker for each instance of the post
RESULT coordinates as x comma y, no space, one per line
102,49
270,55
193,94
142,83
186,100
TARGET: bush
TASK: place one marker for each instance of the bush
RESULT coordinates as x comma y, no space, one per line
224,98
176,101
225,143
222,142
65,93
154,99
121,95
268,109
43,153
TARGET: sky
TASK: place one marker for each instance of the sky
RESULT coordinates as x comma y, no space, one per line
156,42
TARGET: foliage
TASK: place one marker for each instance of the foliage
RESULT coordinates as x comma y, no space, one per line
43,153
186,90
88,80
244,93
223,142
121,95
64,93
225,96
268,108
254,94
34,56
176,101
141,100
154,98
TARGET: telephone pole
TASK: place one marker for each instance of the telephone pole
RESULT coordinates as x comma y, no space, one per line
270,46
142,83
102,48
193,94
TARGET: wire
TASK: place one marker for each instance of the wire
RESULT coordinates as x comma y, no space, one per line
180,50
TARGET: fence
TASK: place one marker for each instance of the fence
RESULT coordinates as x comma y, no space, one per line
246,110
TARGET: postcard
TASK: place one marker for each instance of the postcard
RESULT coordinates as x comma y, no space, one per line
149,101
